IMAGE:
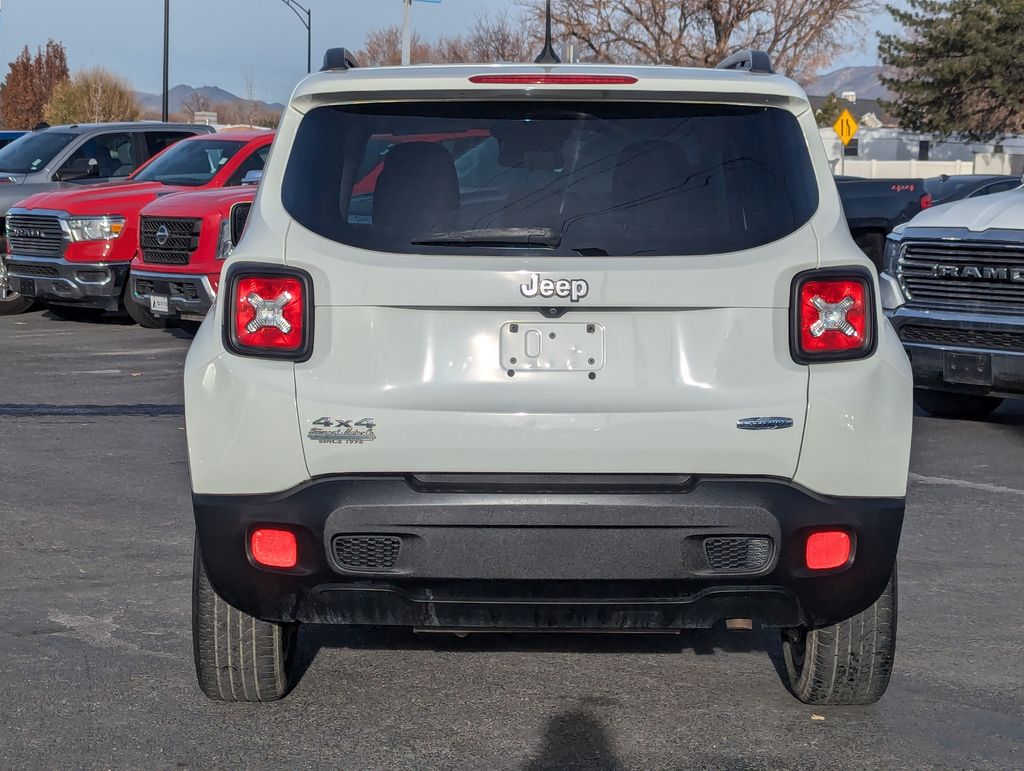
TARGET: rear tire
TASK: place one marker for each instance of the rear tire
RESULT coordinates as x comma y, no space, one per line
238,657
943,404
848,663
140,314
71,313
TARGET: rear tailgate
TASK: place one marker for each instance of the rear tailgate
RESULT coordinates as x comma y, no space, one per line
673,232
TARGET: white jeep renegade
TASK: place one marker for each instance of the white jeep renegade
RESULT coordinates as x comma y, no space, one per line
543,348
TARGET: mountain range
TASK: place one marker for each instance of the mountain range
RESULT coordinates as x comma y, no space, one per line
180,94
863,80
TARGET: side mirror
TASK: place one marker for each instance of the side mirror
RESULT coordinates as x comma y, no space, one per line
80,168
239,216
252,177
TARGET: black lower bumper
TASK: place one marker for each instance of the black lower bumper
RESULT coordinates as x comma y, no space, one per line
186,297
483,552
963,352
90,285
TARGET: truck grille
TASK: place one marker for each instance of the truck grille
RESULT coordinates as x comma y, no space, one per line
34,235
738,554
976,276
367,552
180,238
985,339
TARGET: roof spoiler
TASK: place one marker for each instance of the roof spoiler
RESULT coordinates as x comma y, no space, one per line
338,59
748,61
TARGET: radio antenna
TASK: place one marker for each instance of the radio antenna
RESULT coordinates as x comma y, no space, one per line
548,55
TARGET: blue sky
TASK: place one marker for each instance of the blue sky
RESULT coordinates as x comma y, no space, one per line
226,42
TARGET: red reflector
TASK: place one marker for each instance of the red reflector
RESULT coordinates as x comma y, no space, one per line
556,80
833,315
274,548
269,312
827,549
926,201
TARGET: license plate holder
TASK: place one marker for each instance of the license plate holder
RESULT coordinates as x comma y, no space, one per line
967,368
159,304
27,287
562,346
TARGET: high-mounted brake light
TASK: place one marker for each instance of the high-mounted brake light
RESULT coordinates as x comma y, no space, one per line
555,80
274,548
833,316
268,312
827,550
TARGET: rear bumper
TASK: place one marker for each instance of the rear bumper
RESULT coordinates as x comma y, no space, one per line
928,335
92,285
189,296
520,553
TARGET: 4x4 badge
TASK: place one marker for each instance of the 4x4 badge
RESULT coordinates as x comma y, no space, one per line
575,289
350,431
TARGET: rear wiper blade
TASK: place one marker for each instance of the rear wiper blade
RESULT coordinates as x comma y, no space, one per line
497,237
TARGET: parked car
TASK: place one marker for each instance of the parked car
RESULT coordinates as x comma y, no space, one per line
68,157
6,137
73,249
599,371
874,207
954,292
183,242
947,188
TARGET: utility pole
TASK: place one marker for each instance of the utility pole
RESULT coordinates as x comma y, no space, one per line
167,49
406,33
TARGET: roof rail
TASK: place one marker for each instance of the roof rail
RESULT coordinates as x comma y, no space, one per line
749,60
338,59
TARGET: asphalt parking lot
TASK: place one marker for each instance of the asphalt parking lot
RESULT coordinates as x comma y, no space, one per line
95,644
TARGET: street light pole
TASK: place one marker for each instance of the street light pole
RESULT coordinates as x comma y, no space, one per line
406,33
299,10
167,57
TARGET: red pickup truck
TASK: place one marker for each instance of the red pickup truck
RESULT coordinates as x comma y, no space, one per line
183,242
72,249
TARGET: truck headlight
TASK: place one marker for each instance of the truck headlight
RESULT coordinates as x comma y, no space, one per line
224,243
94,228
892,253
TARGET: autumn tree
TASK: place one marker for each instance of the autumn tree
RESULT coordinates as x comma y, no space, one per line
92,96
800,35
30,82
955,66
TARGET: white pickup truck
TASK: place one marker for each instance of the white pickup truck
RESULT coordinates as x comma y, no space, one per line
953,288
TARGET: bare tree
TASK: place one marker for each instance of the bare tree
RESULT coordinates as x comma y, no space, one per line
800,35
498,38
491,38
196,102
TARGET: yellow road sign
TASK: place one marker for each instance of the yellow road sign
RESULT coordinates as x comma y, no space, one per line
845,127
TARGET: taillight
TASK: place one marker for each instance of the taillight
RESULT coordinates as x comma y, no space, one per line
268,312
833,315
926,201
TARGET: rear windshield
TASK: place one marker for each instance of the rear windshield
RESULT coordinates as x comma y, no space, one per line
191,162
593,178
33,152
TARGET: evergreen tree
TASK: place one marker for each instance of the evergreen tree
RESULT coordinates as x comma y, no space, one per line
956,67
30,83
829,112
